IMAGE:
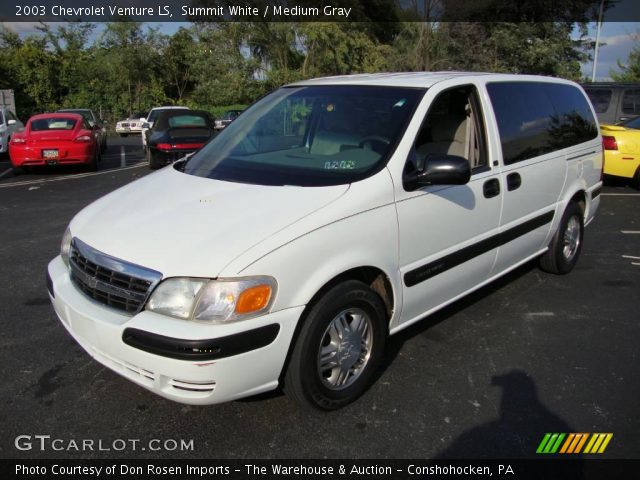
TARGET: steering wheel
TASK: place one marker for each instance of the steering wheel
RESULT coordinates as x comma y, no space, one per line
377,143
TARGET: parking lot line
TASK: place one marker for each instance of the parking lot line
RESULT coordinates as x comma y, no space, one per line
631,232
123,163
631,257
69,177
4,173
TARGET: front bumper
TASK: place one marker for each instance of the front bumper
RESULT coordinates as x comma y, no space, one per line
99,330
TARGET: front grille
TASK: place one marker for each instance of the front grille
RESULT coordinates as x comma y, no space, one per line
110,281
124,125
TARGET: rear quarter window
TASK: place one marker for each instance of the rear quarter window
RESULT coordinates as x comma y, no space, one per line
600,98
631,102
538,118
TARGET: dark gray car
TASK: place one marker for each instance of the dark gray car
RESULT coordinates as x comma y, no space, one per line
614,102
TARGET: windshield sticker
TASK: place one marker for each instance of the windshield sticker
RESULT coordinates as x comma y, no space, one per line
340,165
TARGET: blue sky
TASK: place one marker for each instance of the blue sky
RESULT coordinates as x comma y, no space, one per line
617,41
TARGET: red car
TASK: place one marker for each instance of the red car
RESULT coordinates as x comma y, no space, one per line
54,139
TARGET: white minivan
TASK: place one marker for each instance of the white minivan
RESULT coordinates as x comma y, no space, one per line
331,214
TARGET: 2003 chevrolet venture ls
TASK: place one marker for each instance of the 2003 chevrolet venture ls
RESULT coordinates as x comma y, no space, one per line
331,214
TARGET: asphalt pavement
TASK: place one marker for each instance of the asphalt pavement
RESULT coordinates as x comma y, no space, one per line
487,377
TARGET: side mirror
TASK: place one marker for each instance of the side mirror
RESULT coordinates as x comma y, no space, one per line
439,169
11,122
146,125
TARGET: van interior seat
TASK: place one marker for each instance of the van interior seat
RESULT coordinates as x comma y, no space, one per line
329,143
448,136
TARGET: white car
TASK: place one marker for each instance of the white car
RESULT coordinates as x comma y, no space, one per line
9,124
133,124
148,122
331,214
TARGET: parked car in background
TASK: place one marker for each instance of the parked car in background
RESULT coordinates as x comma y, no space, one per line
9,124
98,125
614,102
54,139
133,124
331,214
177,133
622,150
149,121
228,117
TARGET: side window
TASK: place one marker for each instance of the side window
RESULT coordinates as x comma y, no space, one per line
573,122
600,98
453,126
1,118
631,102
523,112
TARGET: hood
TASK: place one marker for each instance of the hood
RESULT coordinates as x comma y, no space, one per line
181,225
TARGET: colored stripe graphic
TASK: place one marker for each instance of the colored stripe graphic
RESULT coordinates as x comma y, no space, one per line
553,443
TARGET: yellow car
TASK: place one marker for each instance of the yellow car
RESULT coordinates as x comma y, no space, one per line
622,150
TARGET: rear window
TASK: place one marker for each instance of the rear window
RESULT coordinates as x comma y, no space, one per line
187,121
600,98
631,102
53,124
538,118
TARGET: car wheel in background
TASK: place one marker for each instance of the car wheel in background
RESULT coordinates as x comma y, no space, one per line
154,164
339,348
92,166
566,244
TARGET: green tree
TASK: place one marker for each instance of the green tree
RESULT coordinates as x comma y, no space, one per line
630,70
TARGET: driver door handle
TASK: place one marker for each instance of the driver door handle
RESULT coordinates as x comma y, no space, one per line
491,188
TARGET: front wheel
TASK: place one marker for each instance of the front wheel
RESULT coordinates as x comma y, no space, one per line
566,244
339,348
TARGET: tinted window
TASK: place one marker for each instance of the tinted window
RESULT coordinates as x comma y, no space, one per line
538,118
52,124
631,102
600,98
573,122
1,117
187,121
523,112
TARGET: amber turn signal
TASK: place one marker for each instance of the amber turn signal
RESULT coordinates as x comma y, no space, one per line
253,299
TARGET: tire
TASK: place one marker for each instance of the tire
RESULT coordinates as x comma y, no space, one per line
18,171
92,166
332,385
566,244
636,179
154,164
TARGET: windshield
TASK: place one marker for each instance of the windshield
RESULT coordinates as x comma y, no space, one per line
310,136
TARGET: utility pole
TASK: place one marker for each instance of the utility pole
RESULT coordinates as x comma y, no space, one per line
595,55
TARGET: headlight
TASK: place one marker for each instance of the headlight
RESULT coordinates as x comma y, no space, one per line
222,300
65,246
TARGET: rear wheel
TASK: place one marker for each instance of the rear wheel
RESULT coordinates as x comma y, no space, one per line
636,179
566,244
339,348
92,166
154,163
